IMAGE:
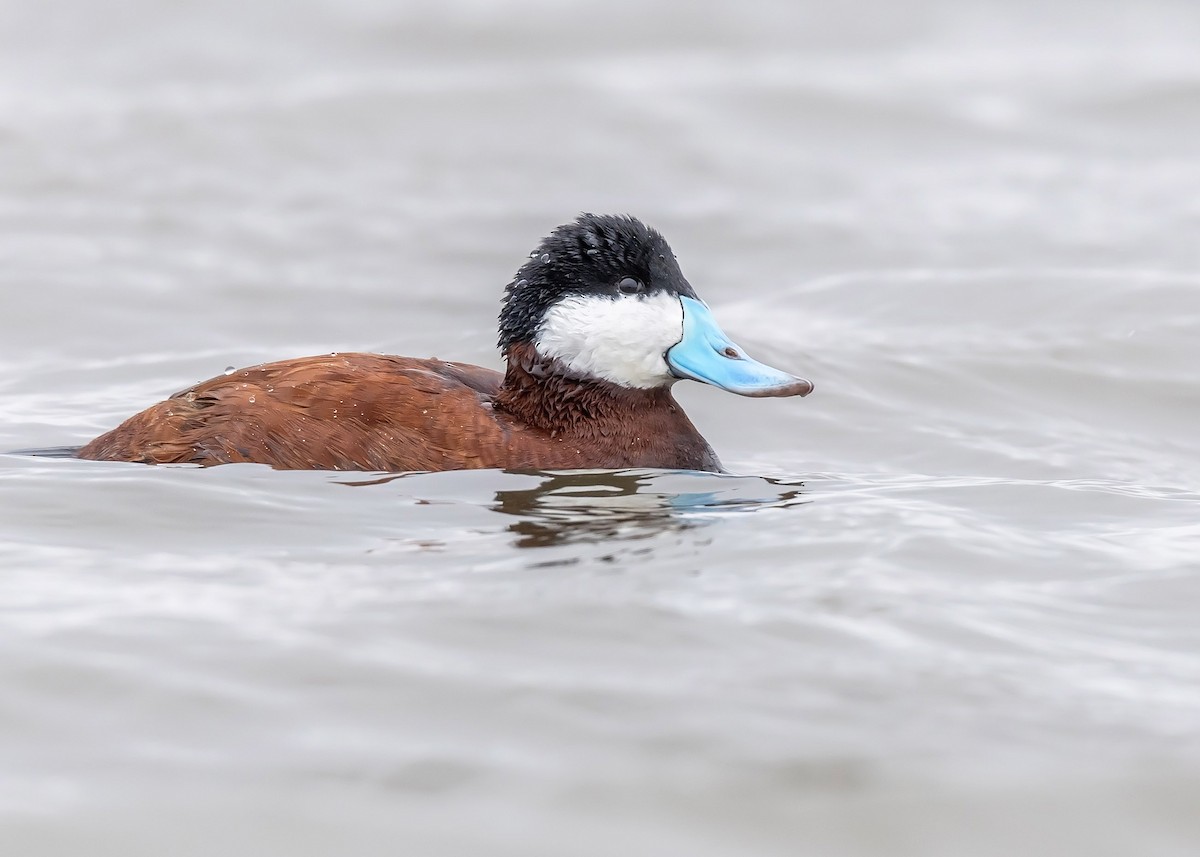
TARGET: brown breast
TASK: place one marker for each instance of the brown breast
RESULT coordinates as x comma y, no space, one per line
375,412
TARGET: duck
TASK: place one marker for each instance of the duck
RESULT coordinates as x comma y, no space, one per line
595,329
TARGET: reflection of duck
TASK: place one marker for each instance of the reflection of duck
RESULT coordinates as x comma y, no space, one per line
599,506
571,507
596,327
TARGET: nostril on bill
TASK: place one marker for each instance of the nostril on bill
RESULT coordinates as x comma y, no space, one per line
731,352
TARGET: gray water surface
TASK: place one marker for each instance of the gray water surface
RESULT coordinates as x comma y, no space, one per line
947,605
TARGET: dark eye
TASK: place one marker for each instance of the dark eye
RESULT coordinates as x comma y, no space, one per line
630,286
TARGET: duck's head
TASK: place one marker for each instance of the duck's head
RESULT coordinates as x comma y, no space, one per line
603,298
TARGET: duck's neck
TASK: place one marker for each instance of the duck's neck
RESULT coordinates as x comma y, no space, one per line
539,392
619,426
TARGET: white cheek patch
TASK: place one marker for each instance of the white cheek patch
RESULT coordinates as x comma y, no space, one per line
619,339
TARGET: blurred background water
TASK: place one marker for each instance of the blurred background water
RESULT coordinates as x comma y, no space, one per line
948,605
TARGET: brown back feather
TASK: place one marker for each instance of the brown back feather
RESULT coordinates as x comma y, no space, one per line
377,412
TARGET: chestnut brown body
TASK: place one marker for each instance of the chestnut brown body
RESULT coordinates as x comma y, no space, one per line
383,413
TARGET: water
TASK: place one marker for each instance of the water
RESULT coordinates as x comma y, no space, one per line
945,605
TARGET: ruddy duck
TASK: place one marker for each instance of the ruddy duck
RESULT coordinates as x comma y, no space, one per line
595,328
